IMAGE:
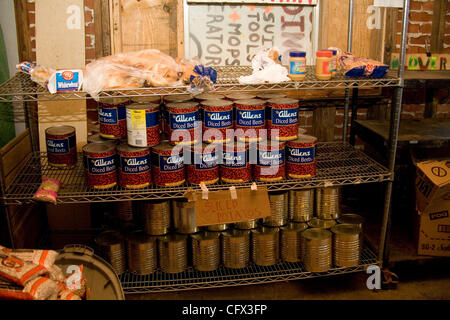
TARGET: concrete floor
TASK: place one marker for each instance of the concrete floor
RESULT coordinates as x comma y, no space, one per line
417,282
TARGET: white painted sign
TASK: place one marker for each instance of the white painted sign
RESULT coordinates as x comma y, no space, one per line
231,35
388,3
285,2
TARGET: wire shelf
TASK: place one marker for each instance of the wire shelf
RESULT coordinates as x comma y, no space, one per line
22,88
224,277
337,164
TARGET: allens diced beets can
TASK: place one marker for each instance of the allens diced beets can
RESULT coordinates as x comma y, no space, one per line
100,165
250,118
112,117
283,116
134,167
168,169
182,116
270,161
217,114
61,146
301,157
235,165
143,125
204,167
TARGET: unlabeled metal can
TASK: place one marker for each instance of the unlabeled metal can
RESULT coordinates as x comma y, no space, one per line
278,209
291,241
301,205
246,225
316,249
184,217
142,253
327,200
112,248
172,253
265,246
321,223
236,248
98,138
352,218
61,146
123,210
217,227
206,251
346,245
155,216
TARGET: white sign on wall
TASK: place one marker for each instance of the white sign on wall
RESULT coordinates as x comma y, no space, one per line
232,34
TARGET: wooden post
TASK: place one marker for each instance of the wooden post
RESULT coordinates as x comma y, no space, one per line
323,123
23,30
438,26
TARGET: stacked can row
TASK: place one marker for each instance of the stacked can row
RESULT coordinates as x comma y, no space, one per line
107,163
318,249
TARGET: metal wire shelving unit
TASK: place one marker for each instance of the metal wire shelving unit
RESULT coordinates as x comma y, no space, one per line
338,164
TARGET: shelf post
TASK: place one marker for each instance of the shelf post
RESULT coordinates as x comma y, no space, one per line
347,90
383,253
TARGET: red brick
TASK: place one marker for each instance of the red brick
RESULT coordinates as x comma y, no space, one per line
443,95
447,28
443,115
421,17
33,32
425,28
413,107
412,49
428,6
31,18
88,18
89,4
419,40
90,29
90,54
413,28
443,108
31,6
407,115
89,42
418,115
415,5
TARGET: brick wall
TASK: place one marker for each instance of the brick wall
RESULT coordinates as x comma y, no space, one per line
89,28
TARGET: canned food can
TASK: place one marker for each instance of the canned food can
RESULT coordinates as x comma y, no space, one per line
100,165
291,241
247,225
143,125
321,223
301,157
209,96
155,216
217,227
168,169
184,217
61,146
204,167
251,119
142,253
328,203
98,138
301,205
112,117
239,96
316,249
282,117
235,166
217,118
181,117
270,164
278,209
265,246
352,218
134,167
112,248
206,251
172,253
346,245
236,249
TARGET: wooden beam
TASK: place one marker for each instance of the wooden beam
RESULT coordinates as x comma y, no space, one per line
23,30
390,34
323,123
98,32
180,28
105,26
438,26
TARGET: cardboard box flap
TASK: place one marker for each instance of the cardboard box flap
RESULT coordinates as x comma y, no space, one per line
437,171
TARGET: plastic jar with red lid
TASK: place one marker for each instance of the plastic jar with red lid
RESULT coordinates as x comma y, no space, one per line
324,64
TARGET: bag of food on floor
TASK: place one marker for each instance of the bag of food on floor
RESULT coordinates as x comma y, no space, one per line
19,271
42,288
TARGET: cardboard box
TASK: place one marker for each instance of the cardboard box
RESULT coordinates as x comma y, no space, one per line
69,216
433,206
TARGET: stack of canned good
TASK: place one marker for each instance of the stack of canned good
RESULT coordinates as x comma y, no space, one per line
165,237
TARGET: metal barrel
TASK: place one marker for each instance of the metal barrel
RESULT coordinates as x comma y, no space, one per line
184,217
217,227
316,249
236,248
142,253
172,253
246,225
112,248
327,203
346,245
265,246
155,216
301,205
206,251
278,209
291,241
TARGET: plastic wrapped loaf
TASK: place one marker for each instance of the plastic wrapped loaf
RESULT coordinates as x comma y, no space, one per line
353,66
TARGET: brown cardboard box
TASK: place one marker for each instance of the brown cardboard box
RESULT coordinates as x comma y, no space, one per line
433,206
69,216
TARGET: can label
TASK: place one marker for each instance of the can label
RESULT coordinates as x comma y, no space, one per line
184,121
100,165
135,164
168,163
284,117
152,119
326,67
218,119
206,161
301,155
270,158
250,118
297,67
60,146
111,115
333,65
235,159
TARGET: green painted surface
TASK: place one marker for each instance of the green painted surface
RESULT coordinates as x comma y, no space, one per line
7,130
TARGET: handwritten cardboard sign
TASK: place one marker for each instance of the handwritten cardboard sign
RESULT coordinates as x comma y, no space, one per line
420,61
220,208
